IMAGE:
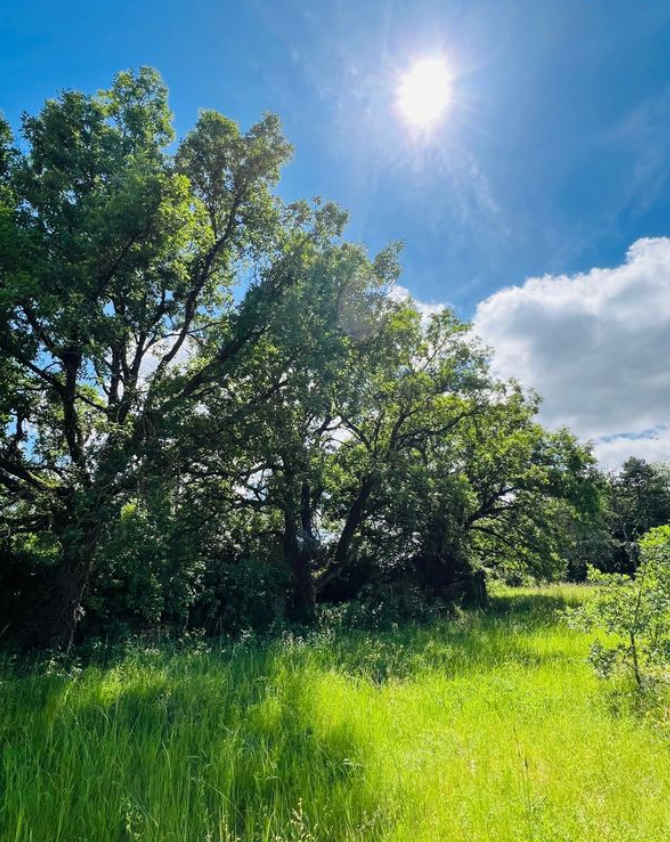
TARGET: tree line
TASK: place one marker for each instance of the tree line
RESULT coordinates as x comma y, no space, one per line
215,412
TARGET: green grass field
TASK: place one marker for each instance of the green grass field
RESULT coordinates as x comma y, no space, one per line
487,727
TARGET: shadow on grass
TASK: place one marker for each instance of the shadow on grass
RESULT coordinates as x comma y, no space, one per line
232,748
517,630
537,607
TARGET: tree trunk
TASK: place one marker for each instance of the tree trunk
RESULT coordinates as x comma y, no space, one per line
64,609
299,551
331,585
56,624
355,517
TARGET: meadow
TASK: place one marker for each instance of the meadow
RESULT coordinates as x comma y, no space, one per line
486,726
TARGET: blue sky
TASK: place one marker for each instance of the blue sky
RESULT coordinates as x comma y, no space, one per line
554,157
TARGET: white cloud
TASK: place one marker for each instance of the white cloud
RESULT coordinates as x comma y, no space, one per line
426,309
153,358
596,347
653,446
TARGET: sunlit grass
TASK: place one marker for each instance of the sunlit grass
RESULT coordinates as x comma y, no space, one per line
486,727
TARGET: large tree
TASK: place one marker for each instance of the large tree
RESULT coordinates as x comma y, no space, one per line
197,379
258,447
380,453
117,255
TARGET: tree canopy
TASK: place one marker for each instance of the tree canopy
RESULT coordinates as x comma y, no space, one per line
213,411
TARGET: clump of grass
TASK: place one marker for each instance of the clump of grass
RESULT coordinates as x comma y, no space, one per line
488,726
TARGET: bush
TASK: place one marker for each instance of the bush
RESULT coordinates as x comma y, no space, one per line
634,613
383,609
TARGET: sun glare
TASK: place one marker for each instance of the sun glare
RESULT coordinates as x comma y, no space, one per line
425,92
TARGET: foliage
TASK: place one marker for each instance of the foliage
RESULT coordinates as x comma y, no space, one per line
634,614
638,499
213,410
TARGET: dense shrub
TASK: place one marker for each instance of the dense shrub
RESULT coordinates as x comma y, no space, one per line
632,614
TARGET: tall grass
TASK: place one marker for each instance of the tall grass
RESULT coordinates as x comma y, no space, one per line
486,727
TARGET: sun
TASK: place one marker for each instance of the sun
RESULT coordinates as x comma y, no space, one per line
424,92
